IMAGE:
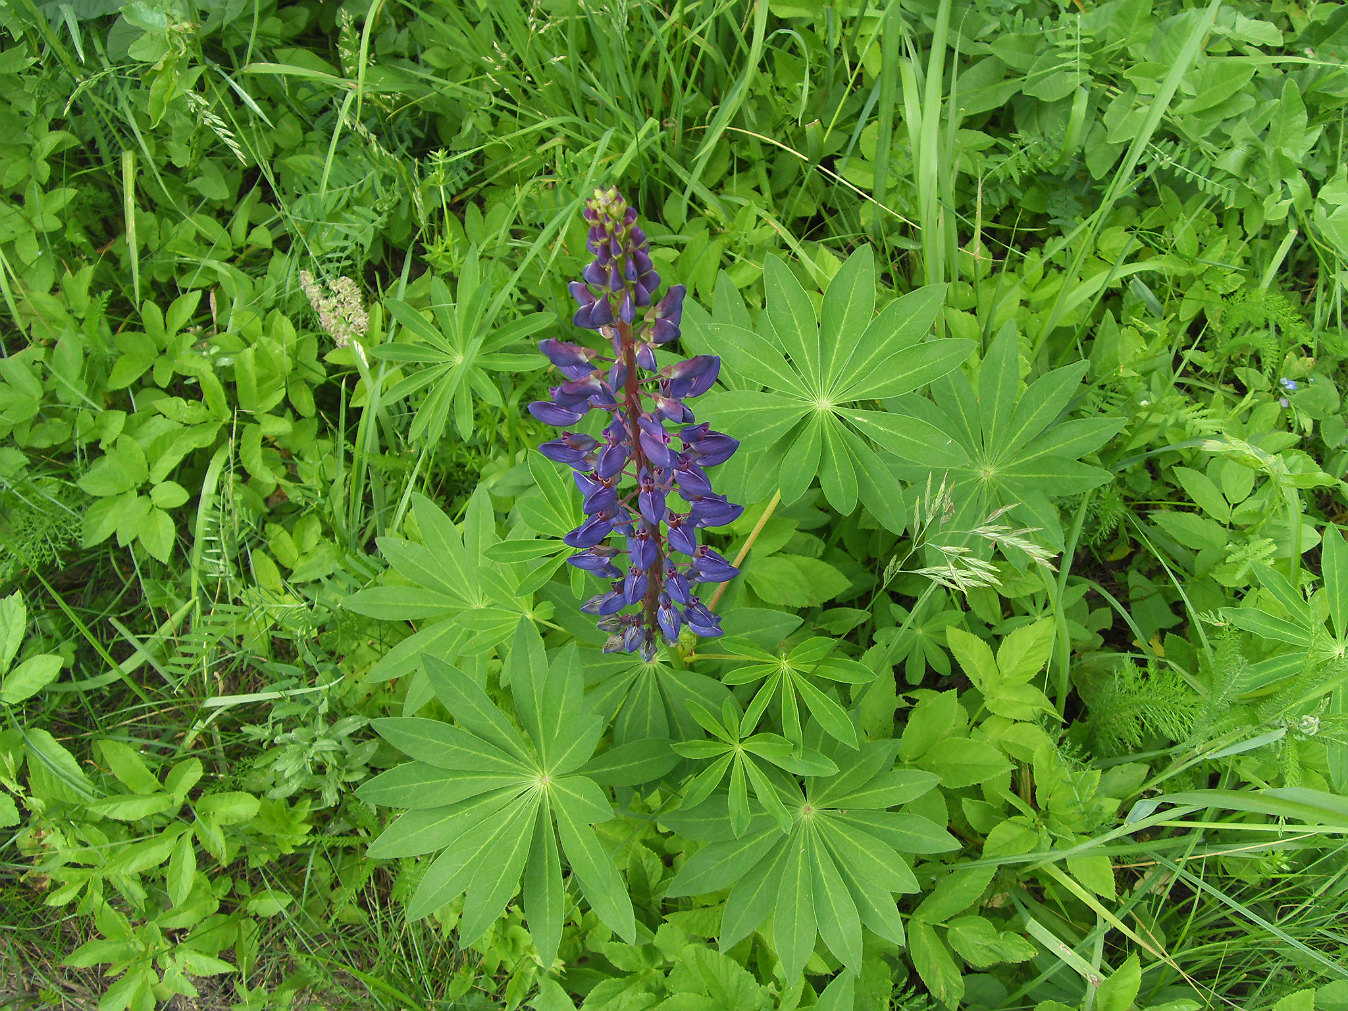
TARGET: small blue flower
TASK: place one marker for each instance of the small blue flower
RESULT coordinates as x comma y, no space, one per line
1288,384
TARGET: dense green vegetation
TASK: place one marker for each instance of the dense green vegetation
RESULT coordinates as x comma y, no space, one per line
1034,686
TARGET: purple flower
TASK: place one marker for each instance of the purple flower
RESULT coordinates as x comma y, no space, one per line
635,444
573,449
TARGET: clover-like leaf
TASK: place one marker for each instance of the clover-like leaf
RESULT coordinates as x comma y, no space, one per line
493,801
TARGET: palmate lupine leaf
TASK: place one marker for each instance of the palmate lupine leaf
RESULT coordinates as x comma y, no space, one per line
832,873
789,676
494,802
815,418
1005,447
457,597
452,355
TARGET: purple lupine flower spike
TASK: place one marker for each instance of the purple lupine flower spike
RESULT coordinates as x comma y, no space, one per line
639,398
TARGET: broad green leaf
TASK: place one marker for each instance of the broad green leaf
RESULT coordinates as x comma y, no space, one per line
1119,990
1024,651
131,807
980,944
975,658
124,763
182,869
954,893
29,678
933,963
13,623
794,580
961,761
1095,872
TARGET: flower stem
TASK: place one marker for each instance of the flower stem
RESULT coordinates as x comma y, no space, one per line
753,536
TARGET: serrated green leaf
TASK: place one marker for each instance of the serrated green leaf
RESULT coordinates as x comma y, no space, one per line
980,944
182,869
125,764
961,761
29,678
954,893
13,624
933,963
1120,989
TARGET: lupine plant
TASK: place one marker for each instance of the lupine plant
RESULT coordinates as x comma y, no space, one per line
641,400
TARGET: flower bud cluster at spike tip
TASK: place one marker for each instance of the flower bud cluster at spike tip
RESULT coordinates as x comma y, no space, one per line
650,448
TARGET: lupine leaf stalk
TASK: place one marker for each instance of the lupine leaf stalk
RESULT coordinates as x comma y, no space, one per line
659,561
